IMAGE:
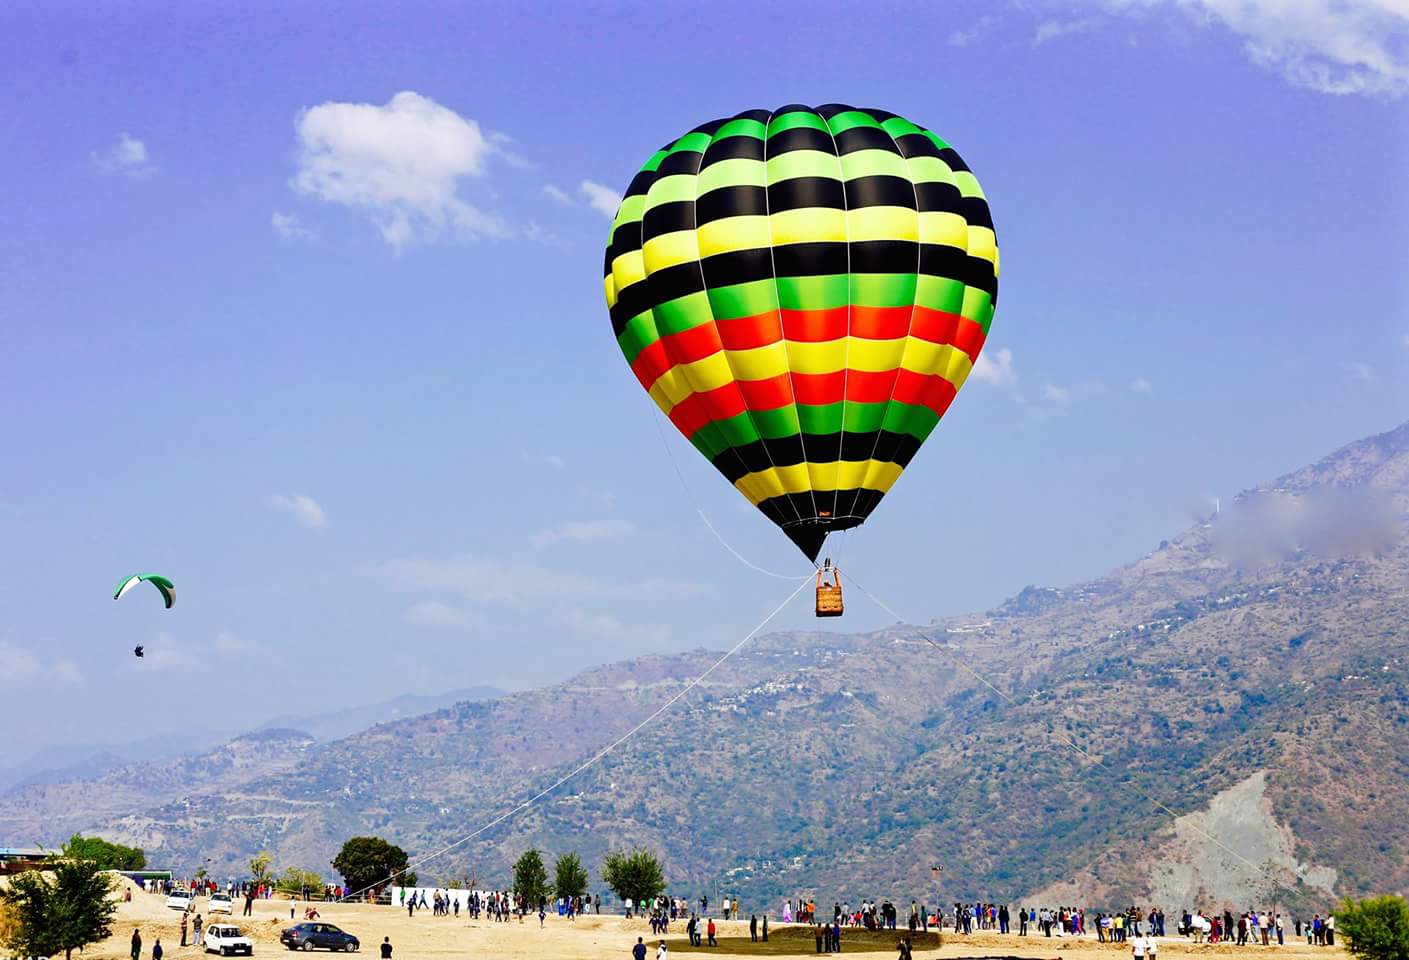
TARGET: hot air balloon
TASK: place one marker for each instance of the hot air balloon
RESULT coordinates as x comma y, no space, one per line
803,292
163,585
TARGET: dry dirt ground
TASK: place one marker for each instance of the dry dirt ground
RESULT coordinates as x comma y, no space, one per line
425,936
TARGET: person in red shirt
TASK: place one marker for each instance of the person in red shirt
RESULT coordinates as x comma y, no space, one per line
710,930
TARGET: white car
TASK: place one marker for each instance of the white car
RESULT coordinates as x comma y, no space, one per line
179,900
226,939
219,903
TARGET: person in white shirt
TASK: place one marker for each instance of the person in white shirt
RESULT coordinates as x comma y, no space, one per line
1137,947
661,951
1151,948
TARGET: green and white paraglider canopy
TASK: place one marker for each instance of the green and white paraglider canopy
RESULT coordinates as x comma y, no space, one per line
167,588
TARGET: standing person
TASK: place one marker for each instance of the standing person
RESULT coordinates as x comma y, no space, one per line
136,944
1330,928
249,902
1152,946
661,952
1137,947
710,930
183,928
753,928
765,928
156,949
198,926
386,948
638,952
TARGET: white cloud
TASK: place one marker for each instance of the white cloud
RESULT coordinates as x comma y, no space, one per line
995,367
433,613
304,508
487,580
584,531
67,673
18,666
128,157
962,38
1049,30
1332,46
1141,385
288,227
559,195
167,654
229,644
607,626
1056,394
401,163
1361,371
601,198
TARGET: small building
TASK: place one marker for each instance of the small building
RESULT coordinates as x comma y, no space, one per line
20,859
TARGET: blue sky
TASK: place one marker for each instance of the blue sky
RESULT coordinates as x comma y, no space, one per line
301,306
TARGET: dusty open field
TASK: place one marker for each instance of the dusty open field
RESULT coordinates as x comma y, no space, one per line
590,937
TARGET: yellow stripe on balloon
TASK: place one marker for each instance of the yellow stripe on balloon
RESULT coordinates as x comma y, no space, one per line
865,163
628,268
949,229
739,172
733,233
669,389
668,249
609,285
983,244
882,223
818,478
826,357
673,189
759,363
808,225
708,374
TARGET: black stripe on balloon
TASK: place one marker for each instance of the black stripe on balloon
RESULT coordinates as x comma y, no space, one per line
625,239
667,218
794,505
951,157
975,210
731,202
936,196
979,274
684,161
916,145
812,259
675,282
741,147
738,266
878,115
641,183
854,139
880,191
800,138
801,193
884,256
855,447
829,110
634,299
710,127
942,260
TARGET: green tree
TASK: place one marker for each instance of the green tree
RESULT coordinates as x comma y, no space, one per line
569,876
370,863
636,874
69,911
531,878
108,856
296,881
259,867
1376,928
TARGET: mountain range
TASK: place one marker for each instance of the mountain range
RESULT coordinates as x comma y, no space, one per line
1223,720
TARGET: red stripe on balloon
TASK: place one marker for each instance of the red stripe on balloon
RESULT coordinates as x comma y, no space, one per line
650,363
880,323
747,333
814,326
818,389
693,344
767,394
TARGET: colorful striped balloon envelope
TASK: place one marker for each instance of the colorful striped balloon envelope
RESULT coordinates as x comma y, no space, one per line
803,292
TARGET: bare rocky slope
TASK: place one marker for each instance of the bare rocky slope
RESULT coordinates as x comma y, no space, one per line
1239,697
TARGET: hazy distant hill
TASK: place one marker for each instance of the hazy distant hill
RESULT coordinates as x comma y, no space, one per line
1252,674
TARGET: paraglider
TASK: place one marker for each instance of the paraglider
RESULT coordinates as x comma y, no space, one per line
163,585
803,292
137,651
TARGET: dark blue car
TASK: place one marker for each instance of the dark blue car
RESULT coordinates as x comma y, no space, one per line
323,936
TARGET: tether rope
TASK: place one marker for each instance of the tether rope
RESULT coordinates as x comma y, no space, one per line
586,763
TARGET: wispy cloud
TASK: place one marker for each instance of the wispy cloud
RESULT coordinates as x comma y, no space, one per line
501,580
18,666
288,227
584,531
1361,371
128,157
304,509
1049,30
1057,394
401,163
433,613
1141,385
995,367
1332,46
967,35
559,195
601,198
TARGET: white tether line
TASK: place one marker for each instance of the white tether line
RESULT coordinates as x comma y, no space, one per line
590,760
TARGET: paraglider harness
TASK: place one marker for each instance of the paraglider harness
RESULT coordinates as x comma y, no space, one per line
829,594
